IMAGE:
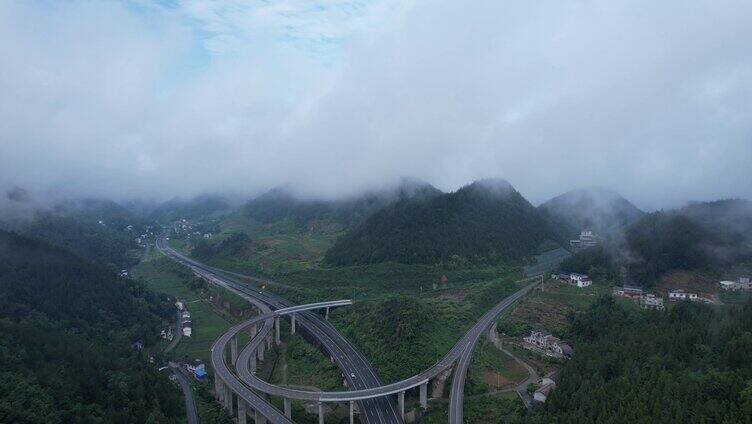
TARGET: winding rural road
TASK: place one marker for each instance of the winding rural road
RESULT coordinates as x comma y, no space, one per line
190,404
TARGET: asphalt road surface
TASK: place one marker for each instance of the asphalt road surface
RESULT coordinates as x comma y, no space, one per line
190,405
346,356
457,395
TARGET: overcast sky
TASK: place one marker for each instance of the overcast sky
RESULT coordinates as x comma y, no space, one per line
143,99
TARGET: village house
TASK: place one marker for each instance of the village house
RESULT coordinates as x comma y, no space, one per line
548,344
580,280
679,294
586,239
744,283
562,276
651,301
547,385
628,292
729,285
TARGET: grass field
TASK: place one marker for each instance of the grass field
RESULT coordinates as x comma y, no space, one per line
479,410
162,275
207,327
492,369
550,309
155,277
302,364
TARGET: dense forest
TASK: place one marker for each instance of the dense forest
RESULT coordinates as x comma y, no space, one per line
485,222
90,240
596,261
68,333
702,235
689,364
99,230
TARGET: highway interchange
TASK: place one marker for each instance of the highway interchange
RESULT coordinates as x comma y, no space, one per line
373,398
346,356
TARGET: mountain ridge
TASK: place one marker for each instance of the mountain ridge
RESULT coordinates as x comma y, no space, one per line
487,221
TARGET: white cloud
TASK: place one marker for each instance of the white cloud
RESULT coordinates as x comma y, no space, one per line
650,98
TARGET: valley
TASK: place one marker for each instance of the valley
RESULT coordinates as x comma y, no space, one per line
407,314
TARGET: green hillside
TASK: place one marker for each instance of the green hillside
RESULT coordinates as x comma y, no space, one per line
66,332
485,222
701,235
98,230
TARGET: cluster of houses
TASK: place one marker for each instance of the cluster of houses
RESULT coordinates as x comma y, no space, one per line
185,319
652,301
645,300
143,238
183,226
676,295
575,279
547,344
586,239
744,283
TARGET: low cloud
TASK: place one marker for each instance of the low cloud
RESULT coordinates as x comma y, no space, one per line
125,100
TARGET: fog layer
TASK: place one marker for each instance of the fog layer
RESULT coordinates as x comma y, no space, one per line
125,100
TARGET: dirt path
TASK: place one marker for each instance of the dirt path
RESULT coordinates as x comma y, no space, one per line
521,387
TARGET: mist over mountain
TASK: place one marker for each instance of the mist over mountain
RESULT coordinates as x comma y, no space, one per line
201,206
598,209
282,203
487,221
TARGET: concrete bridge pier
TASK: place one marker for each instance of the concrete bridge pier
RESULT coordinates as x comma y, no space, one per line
288,407
260,352
276,331
228,399
321,413
252,362
217,388
258,418
401,403
327,313
352,412
269,342
424,395
234,349
241,412
292,323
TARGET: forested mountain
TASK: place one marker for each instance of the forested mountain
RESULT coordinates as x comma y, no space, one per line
485,222
280,203
601,210
97,230
689,364
700,235
197,207
66,332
